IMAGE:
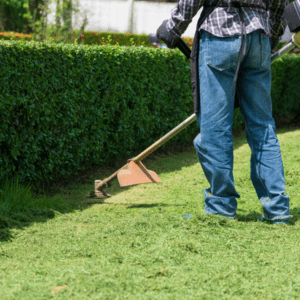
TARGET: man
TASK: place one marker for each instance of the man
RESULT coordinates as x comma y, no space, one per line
235,39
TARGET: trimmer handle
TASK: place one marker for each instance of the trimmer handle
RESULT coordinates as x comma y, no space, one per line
181,45
184,48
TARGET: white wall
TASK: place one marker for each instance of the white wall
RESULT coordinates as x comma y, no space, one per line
148,16
109,16
114,16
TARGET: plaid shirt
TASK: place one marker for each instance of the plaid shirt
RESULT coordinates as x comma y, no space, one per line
225,21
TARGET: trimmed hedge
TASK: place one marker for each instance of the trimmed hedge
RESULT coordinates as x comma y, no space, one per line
65,106
286,87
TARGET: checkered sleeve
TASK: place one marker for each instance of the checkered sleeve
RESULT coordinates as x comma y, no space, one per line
276,20
182,15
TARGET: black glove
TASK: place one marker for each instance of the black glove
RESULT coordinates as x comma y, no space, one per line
274,41
166,36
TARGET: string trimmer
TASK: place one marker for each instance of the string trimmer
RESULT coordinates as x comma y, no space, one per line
134,172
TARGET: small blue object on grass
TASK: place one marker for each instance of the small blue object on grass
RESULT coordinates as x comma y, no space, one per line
187,216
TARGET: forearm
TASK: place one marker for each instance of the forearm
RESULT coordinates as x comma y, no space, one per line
277,22
182,15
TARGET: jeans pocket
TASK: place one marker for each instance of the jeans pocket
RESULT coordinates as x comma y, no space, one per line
265,58
223,53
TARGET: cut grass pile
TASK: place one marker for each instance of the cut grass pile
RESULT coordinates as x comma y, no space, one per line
139,244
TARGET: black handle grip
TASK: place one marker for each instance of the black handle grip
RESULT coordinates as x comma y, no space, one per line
181,45
184,48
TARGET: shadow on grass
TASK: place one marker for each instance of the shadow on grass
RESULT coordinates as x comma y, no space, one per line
150,205
170,158
11,222
255,216
250,217
295,212
20,220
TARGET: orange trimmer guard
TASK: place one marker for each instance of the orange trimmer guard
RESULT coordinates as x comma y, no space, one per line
136,173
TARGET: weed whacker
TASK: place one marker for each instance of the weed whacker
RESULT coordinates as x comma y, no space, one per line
134,172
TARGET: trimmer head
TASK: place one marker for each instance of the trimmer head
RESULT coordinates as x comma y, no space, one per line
99,191
136,173
131,174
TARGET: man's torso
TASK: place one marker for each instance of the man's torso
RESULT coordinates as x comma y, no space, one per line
225,21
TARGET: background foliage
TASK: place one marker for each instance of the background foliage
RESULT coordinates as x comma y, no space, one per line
285,87
64,105
13,14
30,16
92,38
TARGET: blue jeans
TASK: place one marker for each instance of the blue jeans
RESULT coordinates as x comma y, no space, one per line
218,59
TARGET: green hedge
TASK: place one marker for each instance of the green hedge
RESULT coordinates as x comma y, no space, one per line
65,106
286,87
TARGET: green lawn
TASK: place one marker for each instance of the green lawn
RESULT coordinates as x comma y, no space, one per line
136,245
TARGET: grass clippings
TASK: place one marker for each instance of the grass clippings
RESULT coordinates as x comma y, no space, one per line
140,244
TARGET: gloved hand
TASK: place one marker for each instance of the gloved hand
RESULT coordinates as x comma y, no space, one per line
166,36
274,41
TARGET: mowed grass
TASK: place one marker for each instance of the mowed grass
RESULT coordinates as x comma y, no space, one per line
138,244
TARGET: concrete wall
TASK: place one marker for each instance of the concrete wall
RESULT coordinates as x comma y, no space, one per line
116,16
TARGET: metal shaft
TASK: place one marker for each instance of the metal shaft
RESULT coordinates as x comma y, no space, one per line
111,177
287,48
165,138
